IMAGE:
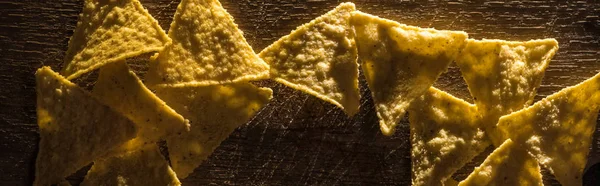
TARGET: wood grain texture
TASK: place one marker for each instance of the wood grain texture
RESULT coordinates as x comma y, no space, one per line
297,139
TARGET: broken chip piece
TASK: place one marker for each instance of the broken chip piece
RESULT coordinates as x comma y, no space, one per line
144,166
207,49
445,133
110,31
122,90
507,165
214,112
558,129
75,128
503,76
319,58
401,62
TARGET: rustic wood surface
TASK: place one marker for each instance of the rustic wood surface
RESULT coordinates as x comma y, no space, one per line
297,139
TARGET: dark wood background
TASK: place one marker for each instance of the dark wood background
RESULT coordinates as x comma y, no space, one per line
297,139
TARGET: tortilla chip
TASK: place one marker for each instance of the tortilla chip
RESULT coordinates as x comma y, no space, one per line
401,62
319,58
503,76
214,112
450,182
145,166
507,165
121,89
445,134
558,129
75,128
207,49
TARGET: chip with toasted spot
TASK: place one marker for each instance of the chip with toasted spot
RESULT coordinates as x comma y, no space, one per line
75,128
445,133
109,31
144,166
207,49
214,112
319,58
503,76
558,129
401,62
507,165
121,89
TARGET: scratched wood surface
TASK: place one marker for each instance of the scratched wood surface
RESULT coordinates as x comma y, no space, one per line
297,139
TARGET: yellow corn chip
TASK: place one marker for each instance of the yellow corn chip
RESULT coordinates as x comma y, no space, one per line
207,49
503,76
214,112
121,89
145,166
558,129
507,165
109,31
319,58
401,62
445,134
74,127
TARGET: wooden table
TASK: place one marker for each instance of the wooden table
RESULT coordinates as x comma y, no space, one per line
297,139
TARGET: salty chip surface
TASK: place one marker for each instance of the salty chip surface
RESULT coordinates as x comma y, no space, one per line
319,58
121,89
401,62
75,128
207,49
503,76
558,129
214,112
445,133
109,31
145,166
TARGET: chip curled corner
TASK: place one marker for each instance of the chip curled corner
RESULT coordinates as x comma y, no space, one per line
110,31
319,58
401,62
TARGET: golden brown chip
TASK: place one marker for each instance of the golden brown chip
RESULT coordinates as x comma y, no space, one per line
319,58
75,128
121,89
207,49
401,62
110,31
145,166
214,112
445,134
558,129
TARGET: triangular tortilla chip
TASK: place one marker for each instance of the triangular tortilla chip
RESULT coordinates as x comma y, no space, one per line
214,112
109,31
558,129
122,90
401,62
75,128
145,166
503,76
319,58
207,49
445,134
507,165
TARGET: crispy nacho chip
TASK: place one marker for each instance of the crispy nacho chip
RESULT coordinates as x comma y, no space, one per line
75,128
121,89
145,166
558,129
319,58
503,76
401,62
207,49
445,134
214,112
109,31
507,165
